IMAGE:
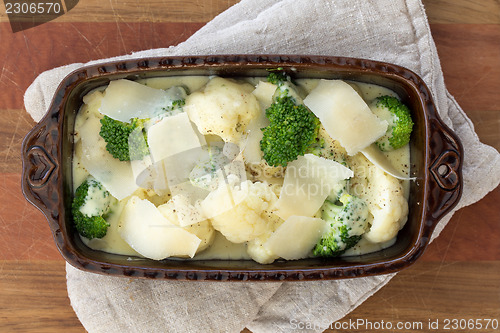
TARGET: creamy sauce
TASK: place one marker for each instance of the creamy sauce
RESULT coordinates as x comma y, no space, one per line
112,242
364,246
193,83
221,248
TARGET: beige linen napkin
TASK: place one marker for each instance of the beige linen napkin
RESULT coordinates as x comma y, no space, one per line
386,30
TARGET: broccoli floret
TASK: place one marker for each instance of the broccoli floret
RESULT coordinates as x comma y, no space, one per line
91,206
278,78
400,123
347,219
125,141
293,127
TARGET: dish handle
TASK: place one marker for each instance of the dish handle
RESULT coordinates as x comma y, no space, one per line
445,168
41,171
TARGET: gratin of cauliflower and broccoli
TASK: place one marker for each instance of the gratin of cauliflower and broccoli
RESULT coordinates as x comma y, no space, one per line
238,168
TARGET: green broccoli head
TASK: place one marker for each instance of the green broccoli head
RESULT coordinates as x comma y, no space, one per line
278,77
125,141
292,128
400,123
347,219
91,205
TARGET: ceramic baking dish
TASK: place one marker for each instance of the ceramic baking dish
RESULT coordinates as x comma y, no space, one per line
436,161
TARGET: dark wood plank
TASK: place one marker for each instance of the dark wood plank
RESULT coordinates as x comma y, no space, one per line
471,11
24,231
33,298
434,291
470,58
16,123
471,235
57,44
438,11
143,11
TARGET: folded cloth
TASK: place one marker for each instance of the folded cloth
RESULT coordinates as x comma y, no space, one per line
340,28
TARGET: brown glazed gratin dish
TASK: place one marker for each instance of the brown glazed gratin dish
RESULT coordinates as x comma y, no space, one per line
436,162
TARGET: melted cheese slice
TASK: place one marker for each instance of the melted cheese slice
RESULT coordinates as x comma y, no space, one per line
125,99
295,238
151,234
115,175
264,92
345,115
172,135
308,181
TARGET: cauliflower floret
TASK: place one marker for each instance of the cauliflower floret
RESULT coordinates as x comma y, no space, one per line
223,108
256,249
384,196
246,215
203,229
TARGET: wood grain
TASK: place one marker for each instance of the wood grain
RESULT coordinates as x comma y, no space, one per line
24,231
36,291
16,123
140,11
472,11
33,297
424,293
57,44
438,11
470,58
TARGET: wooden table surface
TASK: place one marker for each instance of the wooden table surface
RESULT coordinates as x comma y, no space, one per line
457,278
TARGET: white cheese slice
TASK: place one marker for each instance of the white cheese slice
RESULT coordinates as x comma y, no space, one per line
139,166
115,175
192,83
251,151
125,99
295,238
172,135
151,234
152,177
345,115
377,157
308,181
264,91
